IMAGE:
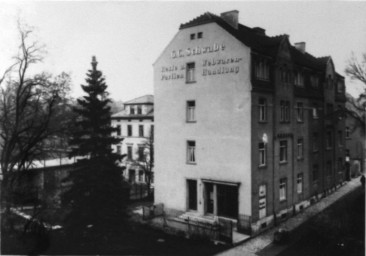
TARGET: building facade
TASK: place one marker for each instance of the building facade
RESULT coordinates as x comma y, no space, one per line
247,125
136,127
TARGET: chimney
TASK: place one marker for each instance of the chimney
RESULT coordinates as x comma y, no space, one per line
259,31
301,46
231,17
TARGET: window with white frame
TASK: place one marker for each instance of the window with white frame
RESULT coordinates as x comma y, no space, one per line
262,154
191,151
262,110
300,111
300,178
191,108
300,148
191,73
283,184
283,151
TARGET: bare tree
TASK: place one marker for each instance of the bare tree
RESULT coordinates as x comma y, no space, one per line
29,110
356,69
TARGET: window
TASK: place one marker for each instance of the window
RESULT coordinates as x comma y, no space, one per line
129,130
119,150
300,177
190,73
300,112
262,70
141,131
348,132
340,87
152,131
191,106
340,164
284,111
192,36
329,109
118,130
300,148
141,176
199,35
139,110
132,110
328,141
129,152
262,110
328,168
315,142
285,76
283,189
283,151
299,79
262,154
192,194
314,80
315,173
315,112
340,138
191,154
262,201
141,153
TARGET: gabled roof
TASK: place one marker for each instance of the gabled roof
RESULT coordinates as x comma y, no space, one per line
146,99
258,42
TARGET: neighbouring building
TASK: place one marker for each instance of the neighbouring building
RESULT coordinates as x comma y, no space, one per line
248,126
136,127
355,140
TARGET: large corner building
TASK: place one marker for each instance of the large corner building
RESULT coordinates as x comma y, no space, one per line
248,126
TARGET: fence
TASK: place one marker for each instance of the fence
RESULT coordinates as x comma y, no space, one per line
150,212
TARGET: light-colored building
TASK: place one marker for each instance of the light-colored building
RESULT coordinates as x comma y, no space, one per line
246,125
136,127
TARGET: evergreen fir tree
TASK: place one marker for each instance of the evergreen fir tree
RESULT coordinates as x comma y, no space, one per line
98,195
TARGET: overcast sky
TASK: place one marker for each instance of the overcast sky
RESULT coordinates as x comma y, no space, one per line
127,37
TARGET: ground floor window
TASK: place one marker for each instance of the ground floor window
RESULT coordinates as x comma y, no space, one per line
192,194
299,183
283,183
262,201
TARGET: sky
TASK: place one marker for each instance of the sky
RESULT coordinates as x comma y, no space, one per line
127,37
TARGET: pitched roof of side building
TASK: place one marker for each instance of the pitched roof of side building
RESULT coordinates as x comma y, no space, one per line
256,39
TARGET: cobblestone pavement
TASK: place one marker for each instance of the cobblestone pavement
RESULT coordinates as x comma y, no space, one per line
255,245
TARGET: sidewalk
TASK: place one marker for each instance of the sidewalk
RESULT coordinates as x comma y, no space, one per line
255,245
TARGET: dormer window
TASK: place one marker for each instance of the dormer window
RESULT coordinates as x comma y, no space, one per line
132,110
139,110
262,69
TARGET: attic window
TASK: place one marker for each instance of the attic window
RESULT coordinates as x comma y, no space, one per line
262,69
199,35
193,36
